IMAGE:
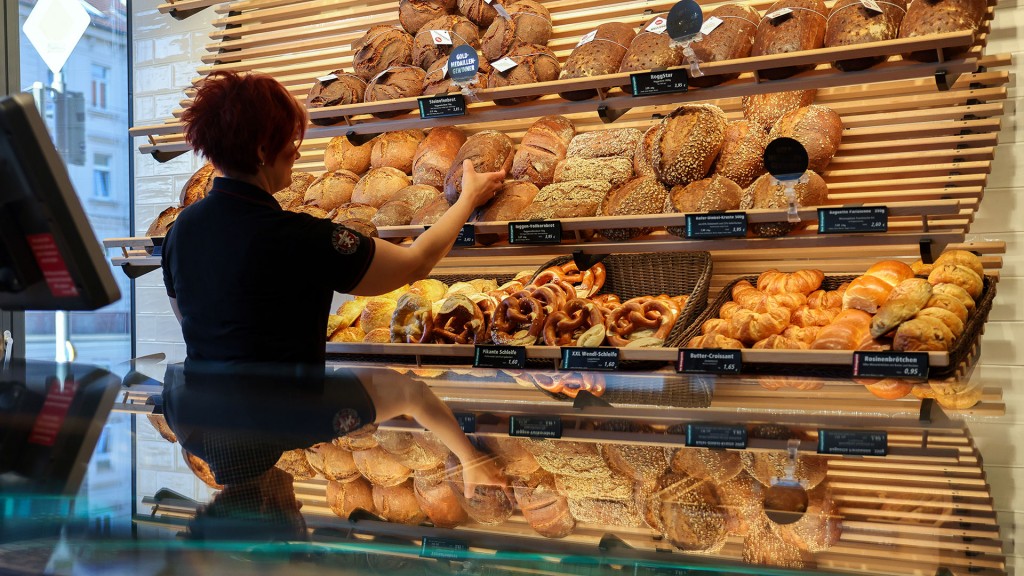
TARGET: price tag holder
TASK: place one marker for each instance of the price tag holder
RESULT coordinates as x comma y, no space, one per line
684,20
729,225
443,548
466,237
441,37
786,158
911,365
442,106
535,426
511,357
709,361
541,232
844,220
662,82
467,422
579,358
853,442
716,436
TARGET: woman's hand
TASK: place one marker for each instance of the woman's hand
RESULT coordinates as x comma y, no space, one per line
479,187
482,470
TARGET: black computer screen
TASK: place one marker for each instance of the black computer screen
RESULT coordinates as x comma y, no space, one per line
49,257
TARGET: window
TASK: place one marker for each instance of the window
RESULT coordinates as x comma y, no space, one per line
101,176
99,85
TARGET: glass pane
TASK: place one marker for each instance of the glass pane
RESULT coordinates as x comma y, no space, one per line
85,104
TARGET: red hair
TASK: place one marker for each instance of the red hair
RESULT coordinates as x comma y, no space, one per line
234,115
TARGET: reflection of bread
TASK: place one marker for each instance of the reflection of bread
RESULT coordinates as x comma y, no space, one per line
345,497
160,424
398,503
489,504
516,459
717,466
380,468
609,486
294,462
437,498
764,466
690,515
417,450
741,502
605,513
332,462
359,439
201,469
573,458
544,509
950,393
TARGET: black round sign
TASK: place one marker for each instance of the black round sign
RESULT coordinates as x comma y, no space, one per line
786,159
684,20
463,63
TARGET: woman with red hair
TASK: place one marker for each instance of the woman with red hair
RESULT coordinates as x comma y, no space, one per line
252,284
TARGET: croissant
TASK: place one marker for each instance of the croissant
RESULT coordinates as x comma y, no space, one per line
956,292
962,258
789,300
847,332
748,326
805,334
921,269
827,298
905,300
744,294
807,316
923,334
866,293
715,326
802,281
713,340
961,276
728,309
779,342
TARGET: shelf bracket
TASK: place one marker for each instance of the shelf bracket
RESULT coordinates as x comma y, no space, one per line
584,398
359,514
134,271
942,81
163,157
611,542
608,115
584,261
360,139
926,245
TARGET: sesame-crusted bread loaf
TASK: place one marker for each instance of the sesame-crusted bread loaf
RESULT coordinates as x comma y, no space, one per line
742,157
764,110
605,143
818,128
616,170
638,196
601,55
577,199
687,143
935,17
715,193
851,22
802,28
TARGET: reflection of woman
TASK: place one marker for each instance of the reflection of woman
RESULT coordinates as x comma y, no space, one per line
252,284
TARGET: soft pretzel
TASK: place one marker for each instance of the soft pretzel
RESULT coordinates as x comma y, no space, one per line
548,275
506,289
591,281
565,288
579,323
487,305
570,272
607,302
518,320
806,316
640,318
802,281
550,296
412,321
573,383
458,321
749,326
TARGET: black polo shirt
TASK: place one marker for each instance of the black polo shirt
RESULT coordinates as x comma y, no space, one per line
253,282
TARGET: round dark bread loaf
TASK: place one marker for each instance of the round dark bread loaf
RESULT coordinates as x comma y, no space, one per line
479,12
198,185
927,17
638,196
413,14
344,88
396,149
489,151
543,146
534,63
342,154
602,55
382,47
763,194
331,189
731,39
394,83
435,154
509,202
430,213
850,23
687,143
160,226
801,29
650,50
461,30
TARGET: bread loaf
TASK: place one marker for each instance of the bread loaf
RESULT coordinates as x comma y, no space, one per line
850,22
763,194
416,450
530,24
413,14
534,63
434,155
961,276
957,292
200,469
499,39
710,194
425,52
516,459
935,17
356,211
489,151
398,503
332,462
163,222
644,464
394,83
379,467
638,196
802,28
742,157
690,515
437,499
378,186
430,213
342,154
717,466
509,202
543,146
198,185
961,258
764,110
906,300
331,189
488,505
602,55
399,210
846,332
382,47
605,143
578,199
438,81
731,39
764,466
343,498
643,165
479,12
687,143
922,334
337,89
651,50
615,169
395,149
818,128
544,509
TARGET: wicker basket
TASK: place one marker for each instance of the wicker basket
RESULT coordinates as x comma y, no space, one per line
960,352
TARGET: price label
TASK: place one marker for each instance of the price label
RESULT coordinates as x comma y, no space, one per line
443,548
842,220
328,78
645,569
661,82
779,13
499,357
466,237
912,365
587,38
579,358
717,436
853,442
535,426
543,232
442,106
657,25
731,225
710,24
441,37
871,5
504,64
467,422
709,361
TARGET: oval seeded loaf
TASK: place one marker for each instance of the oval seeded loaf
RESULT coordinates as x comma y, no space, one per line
598,57
742,157
850,23
687,143
934,17
615,170
764,110
818,128
605,143
803,28
710,194
638,196
763,194
578,199
731,39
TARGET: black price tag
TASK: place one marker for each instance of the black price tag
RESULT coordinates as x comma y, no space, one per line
717,436
579,358
684,20
853,442
466,421
839,220
912,365
645,569
786,159
730,225
535,426
709,361
542,232
662,82
443,548
466,237
442,106
499,357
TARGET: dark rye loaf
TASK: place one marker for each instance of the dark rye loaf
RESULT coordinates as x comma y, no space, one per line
602,55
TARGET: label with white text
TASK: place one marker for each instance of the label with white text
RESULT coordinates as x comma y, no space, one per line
467,421
716,436
541,232
853,442
727,225
499,357
579,358
709,361
443,548
911,365
843,220
535,426
442,106
661,82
